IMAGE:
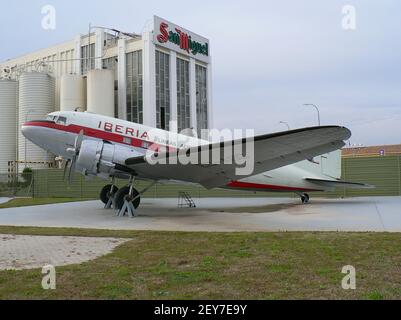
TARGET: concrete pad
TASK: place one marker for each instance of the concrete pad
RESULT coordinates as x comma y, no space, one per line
29,252
4,200
375,214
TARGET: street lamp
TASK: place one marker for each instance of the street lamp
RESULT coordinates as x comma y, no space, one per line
286,124
317,109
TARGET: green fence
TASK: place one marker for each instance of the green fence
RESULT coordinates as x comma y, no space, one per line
50,183
382,172
16,185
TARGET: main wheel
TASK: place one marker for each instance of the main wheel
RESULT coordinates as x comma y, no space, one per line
105,194
123,194
305,198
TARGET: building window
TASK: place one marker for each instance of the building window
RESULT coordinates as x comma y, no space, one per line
87,58
162,90
134,87
112,64
201,98
183,97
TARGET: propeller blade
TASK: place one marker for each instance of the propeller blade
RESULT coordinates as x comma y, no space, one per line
75,152
78,141
72,170
65,168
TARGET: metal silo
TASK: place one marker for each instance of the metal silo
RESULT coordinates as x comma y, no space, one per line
72,93
100,86
36,98
8,129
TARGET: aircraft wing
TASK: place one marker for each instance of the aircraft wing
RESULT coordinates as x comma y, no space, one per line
271,151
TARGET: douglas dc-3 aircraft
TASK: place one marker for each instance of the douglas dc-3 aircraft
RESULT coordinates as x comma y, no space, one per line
106,147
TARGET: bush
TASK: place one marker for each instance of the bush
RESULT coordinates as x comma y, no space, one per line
27,175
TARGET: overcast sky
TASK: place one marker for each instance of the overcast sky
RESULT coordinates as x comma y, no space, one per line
269,57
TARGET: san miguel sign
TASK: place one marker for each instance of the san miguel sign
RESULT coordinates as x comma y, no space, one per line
173,37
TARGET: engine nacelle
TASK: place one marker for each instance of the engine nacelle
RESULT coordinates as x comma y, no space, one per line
95,157
99,158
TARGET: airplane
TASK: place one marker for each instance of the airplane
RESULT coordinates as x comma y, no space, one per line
301,161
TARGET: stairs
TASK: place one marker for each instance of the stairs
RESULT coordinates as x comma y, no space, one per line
185,200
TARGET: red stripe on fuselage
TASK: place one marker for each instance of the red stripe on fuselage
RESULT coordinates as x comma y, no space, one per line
99,134
266,187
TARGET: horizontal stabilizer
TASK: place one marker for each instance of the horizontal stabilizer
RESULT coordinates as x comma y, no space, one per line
340,183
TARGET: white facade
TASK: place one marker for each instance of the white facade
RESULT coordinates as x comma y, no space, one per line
156,78
36,100
8,127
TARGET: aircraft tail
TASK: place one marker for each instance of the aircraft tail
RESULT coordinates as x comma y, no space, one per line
330,164
326,170
325,166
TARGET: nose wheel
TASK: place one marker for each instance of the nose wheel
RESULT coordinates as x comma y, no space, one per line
305,198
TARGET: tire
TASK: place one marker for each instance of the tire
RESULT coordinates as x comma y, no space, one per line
305,198
122,193
104,194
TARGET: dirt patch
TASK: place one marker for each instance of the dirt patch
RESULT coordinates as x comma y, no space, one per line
29,252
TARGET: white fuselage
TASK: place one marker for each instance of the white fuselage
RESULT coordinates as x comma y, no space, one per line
58,133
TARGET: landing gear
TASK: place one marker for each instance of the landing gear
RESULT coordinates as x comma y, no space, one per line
107,195
127,200
108,192
305,198
125,194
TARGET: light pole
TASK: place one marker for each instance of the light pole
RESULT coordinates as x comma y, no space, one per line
317,109
286,124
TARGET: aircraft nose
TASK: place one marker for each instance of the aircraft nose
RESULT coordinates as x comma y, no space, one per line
32,133
27,130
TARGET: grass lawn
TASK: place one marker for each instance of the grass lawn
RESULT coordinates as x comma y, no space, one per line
173,265
26,202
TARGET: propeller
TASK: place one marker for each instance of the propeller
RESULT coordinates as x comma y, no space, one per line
66,167
74,153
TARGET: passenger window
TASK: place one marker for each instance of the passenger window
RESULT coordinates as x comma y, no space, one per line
127,140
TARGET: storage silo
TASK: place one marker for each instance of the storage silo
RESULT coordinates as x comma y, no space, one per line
100,89
36,98
72,93
8,129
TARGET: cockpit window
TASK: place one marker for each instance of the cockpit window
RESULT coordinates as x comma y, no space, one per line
50,118
62,121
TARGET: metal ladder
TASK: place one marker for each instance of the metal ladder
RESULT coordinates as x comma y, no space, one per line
185,200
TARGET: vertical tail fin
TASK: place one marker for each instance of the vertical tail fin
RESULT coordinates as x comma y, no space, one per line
331,164
326,166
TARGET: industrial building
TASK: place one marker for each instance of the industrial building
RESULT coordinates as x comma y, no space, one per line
372,151
161,78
